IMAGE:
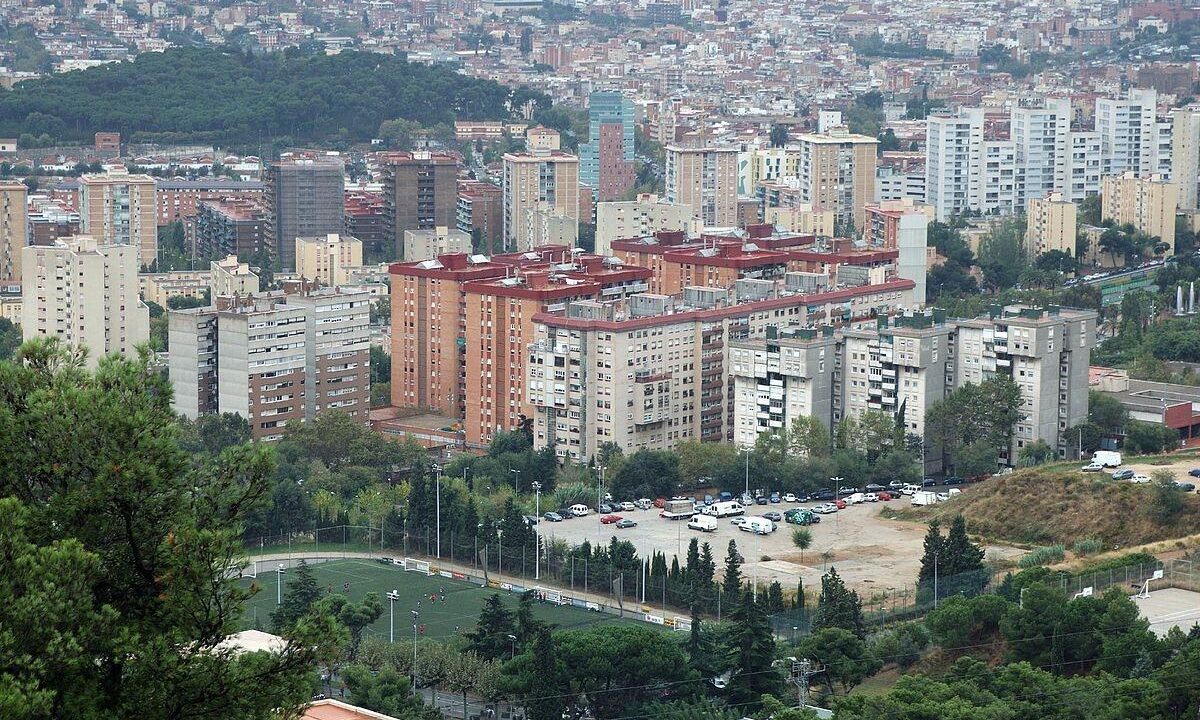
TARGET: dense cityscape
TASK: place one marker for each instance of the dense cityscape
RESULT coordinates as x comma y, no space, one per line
359,360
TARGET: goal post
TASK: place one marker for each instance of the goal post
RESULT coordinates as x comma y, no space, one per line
413,565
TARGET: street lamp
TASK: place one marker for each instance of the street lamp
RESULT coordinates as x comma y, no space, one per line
837,490
416,616
437,469
512,642
748,451
392,596
599,501
279,584
517,482
537,514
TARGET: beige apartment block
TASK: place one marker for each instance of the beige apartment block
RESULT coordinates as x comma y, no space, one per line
327,259
229,277
803,218
120,209
1051,225
13,230
704,180
1146,202
428,244
837,170
643,216
541,177
159,288
1185,154
85,293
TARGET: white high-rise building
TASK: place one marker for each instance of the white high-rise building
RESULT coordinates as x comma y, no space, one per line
86,294
954,159
1039,131
1185,154
1083,165
998,178
1128,132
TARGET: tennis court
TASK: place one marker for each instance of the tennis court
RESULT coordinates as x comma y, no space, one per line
438,618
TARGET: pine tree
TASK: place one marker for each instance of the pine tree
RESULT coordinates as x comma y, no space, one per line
692,565
752,649
934,552
490,639
961,555
302,591
775,598
838,606
545,700
732,583
708,569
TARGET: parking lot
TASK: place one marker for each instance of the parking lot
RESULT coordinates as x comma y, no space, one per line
866,549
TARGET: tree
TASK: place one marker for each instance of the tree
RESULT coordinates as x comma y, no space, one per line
977,459
526,40
647,473
302,592
732,582
491,636
118,548
752,648
1036,453
1168,497
1146,438
386,691
802,539
214,433
545,687
779,135
808,437
1002,255
10,338
838,607
843,654
1106,412
934,551
354,616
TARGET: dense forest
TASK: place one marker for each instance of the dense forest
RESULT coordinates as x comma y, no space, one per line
227,97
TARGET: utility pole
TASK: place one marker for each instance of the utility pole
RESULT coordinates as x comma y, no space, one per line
392,596
537,512
935,581
802,672
437,469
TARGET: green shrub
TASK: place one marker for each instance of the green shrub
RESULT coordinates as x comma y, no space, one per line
1121,561
1088,546
1045,555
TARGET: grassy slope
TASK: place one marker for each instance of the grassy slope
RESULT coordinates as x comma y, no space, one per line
1061,506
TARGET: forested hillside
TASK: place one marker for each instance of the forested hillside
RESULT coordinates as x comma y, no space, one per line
223,96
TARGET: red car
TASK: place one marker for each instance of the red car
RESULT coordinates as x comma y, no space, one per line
659,503
610,519
841,504
884,496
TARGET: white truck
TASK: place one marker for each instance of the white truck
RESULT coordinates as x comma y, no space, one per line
726,509
758,525
1107,458
924,497
678,509
703,523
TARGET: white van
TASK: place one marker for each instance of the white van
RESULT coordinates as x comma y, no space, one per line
703,523
855,498
758,525
726,509
1107,458
579,510
909,489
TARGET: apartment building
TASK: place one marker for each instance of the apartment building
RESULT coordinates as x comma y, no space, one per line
606,162
904,364
1128,132
645,215
420,191
1146,202
903,226
328,259
14,233
1083,165
1040,129
767,165
720,263
1050,225
652,371
84,292
1185,154
159,288
803,218
704,180
230,227
120,209
366,219
304,197
273,358
179,200
543,178
837,170
228,277
953,171
49,219
428,244
480,214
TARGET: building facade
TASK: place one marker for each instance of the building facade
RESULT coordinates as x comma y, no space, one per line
230,227
304,197
480,214
1146,202
1050,225
541,181
837,171
420,191
645,215
606,161
705,181
14,233
120,209
328,259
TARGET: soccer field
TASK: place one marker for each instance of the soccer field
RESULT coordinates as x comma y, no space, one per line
457,614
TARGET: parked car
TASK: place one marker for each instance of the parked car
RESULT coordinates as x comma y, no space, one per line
846,490
643,504
708,500
873,488
660,502
896,485
885,496
822,495
702,523
627,506
775,497
605,508
909,489
746,499
1125,474
610,519
789,498
580,510
1194,472
953,480
943,497
855,498
737,522
773,516
928,482
870,497
825,508
531,520
761,500
553,517
841,504
1185,486
1139,479
726,496
1092,467
565,513
626,523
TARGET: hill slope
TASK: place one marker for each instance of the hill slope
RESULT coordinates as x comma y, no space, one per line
221,95
1057,506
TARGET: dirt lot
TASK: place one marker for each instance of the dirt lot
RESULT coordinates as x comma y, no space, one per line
866,549
1177,466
